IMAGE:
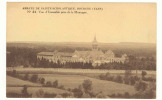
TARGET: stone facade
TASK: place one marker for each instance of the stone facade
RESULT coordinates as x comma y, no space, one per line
95,56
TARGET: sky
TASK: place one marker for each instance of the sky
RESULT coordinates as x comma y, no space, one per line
116,22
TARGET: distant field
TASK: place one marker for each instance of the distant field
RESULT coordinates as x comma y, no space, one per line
73,81
11,81
75,71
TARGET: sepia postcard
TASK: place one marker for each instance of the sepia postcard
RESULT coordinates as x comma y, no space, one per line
81,50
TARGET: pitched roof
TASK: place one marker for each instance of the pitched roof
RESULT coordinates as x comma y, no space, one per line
55,53
46,53
109,52
89,53
64,54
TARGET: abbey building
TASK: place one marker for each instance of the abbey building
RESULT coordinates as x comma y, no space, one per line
95,56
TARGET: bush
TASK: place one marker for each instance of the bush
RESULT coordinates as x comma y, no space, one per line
119,95
26,77
87,86
126,80
55,84
133,79
49,84
102,77
25,92
42,80
126,95
40,93
107,74
144,73
150,94
141,85
14,72
110,78
139,94
128,73
49,95
77,93
65,95
34,78
61,87
86,95
119,79
149,79
69,89
99,95
112,95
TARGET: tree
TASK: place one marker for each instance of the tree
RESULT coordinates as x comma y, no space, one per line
14,72
61,87
107,74
100,95
65,95
102,77
141,85
26,77
119,79
34,78
40,93
144,73
133,79
49,95
150,94
87,86
25,92
49,84
128,73
78,92
55,83
42,80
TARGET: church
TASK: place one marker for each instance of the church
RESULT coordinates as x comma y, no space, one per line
95,56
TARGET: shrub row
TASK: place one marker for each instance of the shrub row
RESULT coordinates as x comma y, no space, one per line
119,79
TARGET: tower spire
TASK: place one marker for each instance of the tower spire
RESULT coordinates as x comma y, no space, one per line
95,37
94,44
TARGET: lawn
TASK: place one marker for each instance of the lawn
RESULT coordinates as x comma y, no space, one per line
73,81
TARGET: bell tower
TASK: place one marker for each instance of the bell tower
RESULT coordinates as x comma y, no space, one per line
94,44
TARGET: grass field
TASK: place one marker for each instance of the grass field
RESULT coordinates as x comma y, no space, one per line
15,85
72,78
73,81
11,81
53,70
34,90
